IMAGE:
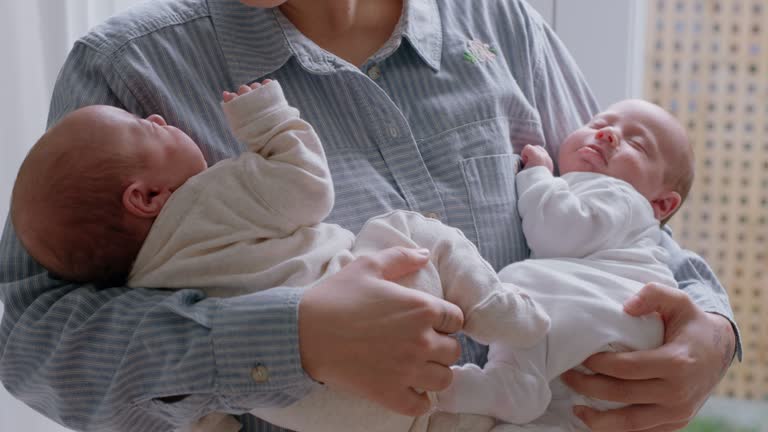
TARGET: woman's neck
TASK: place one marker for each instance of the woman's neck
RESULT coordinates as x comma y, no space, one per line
352,29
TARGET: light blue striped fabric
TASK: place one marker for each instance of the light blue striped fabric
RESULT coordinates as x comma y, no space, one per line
462,86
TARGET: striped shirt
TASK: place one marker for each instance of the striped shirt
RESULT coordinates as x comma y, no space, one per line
432,122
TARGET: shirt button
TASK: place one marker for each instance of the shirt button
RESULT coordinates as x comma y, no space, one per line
260,373
432,215
374,72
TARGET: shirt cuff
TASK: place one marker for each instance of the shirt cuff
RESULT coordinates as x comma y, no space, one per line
737,353
725,312
527,177
256,350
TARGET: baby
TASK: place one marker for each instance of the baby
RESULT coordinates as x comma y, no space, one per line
594,233
105,195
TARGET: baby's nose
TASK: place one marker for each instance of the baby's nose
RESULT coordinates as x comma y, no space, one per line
607,136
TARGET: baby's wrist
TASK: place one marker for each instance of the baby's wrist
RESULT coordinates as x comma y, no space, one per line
537,163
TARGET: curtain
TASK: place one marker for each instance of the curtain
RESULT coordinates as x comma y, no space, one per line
35,37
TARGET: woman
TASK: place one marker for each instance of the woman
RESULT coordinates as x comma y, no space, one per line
420,105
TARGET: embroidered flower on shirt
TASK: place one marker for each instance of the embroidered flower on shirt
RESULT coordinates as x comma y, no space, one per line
479,52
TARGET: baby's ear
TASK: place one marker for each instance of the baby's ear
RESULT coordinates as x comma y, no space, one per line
665,204
144,201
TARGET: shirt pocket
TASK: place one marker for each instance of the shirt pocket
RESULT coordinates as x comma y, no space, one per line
490,183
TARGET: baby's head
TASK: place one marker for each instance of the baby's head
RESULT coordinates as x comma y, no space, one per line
640,143
90,188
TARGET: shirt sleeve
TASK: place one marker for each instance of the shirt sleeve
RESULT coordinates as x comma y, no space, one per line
696,278
136,359
560,221
286,170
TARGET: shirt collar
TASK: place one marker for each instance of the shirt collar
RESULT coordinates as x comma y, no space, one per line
256,42
251,40
423,28
420,25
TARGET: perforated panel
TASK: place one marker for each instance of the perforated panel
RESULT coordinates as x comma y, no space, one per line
707,62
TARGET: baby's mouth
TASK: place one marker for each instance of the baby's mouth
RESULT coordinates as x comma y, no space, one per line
595,149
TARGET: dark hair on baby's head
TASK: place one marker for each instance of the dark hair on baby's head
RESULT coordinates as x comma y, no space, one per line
67,208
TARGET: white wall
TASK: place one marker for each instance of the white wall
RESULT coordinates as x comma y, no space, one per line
606,39
25,90
546,8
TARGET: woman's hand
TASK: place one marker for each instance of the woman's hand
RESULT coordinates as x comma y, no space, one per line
361,332
666,386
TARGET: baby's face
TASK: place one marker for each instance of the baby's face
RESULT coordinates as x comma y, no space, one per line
170,153
632,140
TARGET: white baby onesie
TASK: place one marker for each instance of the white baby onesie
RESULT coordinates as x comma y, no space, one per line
595,243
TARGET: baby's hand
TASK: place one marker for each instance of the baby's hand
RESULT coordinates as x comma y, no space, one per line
533,156
243,89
